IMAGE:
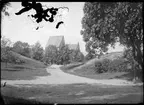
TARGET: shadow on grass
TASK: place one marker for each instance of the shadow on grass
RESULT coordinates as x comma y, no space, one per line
23,74
19,101
128,76
19,68
12,100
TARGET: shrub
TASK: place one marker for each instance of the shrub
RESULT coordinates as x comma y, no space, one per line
98,67
102,66
106,65
118,65
19,61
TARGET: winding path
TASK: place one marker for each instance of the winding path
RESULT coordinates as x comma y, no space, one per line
59,77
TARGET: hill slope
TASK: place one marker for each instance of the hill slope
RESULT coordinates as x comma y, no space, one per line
90,64
28,61
88,69
27,70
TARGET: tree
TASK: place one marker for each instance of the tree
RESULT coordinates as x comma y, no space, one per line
76,56
22,48
80,57
73,55
5,42
88,56
134,65
4,7
63,55
18,47
7,54
5,49
26,49
37,51
51,54
105,23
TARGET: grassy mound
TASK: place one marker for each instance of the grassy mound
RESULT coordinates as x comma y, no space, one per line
27,70
89,70
89,66
30,62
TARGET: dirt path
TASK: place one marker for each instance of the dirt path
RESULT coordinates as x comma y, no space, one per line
59,77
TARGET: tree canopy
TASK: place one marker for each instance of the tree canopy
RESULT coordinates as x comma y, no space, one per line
105,23
4,7
22,48
51,54
37,51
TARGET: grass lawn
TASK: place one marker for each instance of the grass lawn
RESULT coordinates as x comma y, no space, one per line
74,93
88,69
90,73
23,71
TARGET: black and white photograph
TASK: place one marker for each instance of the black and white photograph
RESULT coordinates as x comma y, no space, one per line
60,52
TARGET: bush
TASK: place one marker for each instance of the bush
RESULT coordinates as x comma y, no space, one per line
98,67
106,65
118,65
102,66
19,61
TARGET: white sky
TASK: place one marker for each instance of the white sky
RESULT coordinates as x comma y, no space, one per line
22,28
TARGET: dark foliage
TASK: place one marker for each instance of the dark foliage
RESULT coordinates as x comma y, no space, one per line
3,7
19,101
59,23
102,66
40,12
106,23
22,48
116,65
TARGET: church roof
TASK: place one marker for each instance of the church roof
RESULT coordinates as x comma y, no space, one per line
73,46
55,40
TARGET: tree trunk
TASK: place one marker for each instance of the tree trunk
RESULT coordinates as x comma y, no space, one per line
134,71
139,61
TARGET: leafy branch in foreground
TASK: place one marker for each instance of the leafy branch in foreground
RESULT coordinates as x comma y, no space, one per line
4,7
46,14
